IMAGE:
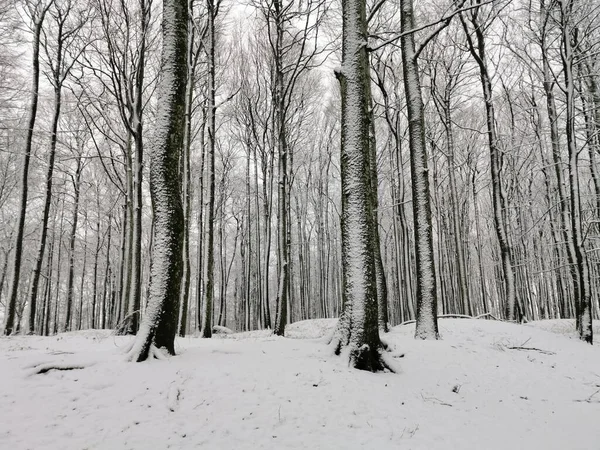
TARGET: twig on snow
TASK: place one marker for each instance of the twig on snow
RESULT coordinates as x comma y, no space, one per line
589,399
533,349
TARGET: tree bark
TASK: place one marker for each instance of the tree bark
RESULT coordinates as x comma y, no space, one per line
159,325
358,327
426,327
38,20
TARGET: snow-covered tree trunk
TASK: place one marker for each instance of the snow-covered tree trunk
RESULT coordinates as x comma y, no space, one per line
426,327
580,270
358,328
159,325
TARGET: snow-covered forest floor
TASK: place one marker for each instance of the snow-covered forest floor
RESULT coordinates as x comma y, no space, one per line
485,385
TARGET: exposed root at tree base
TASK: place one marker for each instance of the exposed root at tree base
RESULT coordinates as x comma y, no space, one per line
365,357
371,359
136,355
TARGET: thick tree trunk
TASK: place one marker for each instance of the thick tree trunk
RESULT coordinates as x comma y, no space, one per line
579,270
358,327
159,325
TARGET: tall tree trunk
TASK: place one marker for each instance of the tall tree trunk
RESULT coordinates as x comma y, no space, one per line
135,300
549,84
72,239
38,20
187,186
579,270
426,327
47,203
283,259
358,327
382,291
81,284
159,325
478,51
107,274
210,216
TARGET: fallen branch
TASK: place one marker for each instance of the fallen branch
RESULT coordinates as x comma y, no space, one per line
533,349
435,400
456,316
589,399
47,367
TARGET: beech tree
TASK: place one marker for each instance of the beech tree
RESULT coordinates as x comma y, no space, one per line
159,325
358,328
474,23
37,11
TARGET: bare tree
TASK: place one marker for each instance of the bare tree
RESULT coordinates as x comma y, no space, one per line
358,327
159,325
37,11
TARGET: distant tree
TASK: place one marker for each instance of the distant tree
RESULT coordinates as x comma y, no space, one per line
61,54
212,10
37,11
475,23
159,325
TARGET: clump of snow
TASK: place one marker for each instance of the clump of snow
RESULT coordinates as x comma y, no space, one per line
310,329
485,385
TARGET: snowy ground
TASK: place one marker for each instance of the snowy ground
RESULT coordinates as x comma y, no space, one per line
470,390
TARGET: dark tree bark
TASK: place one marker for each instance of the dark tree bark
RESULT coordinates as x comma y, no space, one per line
159,325
72,238
580,270
38,13
279,129
477,48
210,216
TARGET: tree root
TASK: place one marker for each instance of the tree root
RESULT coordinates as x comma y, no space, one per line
132,355
366,358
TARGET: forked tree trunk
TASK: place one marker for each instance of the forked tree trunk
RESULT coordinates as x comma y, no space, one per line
478,51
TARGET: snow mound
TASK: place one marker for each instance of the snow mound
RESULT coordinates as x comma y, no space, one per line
310,329
566,327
